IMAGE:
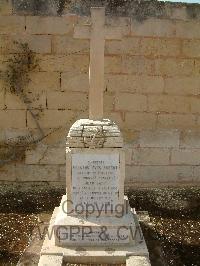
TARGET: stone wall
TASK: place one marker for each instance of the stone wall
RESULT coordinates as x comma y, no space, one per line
152,87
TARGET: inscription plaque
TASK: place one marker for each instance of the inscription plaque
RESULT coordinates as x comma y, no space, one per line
95,180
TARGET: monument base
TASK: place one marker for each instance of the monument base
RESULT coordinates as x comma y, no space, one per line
94,229
92,254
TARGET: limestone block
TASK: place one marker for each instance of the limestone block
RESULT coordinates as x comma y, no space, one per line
165,174
151,46
20,136
131,102
43,154
75,142
137,261
140,121
152,156
37,173
196,174
134,83
62,172
22,172
50,25
160,47
12,24
190,139
67,45
44,81
137,65
37,43
131,45
176,121
5,7
128,155
112,142
132,173
36,100
108,102
90,133
185,157
188,29
72,81
3,62
13,101
115,117
48,260
2,99
197,67
113,33
148,84
7,172
67,100
95,254
174,67
64,63
12,118
131,137
113,47
169,104
82,31
195,108
153,27
119,230
191,48
118,82
2,136
113,64
52,118
124,23
159,138
182,85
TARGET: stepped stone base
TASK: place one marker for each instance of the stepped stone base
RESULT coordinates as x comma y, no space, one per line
93,254
99,229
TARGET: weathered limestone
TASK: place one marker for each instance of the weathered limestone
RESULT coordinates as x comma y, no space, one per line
95,178
88,226
47,260
97,35
151,83
95,164
137,261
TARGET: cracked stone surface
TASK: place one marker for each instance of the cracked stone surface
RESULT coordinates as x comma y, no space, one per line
86,133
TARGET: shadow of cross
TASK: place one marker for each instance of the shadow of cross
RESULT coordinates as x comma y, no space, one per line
97,32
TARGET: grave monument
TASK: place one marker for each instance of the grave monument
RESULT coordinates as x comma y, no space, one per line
94,223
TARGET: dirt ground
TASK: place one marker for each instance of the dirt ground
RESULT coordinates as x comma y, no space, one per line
172,233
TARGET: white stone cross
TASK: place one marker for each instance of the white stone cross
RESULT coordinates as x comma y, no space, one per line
97,32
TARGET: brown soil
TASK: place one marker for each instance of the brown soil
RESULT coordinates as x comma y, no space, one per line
172,233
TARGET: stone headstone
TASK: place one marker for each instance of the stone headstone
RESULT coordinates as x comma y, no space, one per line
94,222
95,187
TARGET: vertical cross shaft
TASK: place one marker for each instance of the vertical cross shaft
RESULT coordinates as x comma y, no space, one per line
96,71
97,33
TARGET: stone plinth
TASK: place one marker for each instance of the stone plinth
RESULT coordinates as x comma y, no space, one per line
94,222
94,212
97,228
95,254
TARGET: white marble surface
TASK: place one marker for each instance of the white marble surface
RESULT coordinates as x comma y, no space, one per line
95,180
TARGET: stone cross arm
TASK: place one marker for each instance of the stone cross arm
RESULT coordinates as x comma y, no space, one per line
97,32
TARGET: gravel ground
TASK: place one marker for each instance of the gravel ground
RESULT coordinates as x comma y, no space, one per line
172,233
